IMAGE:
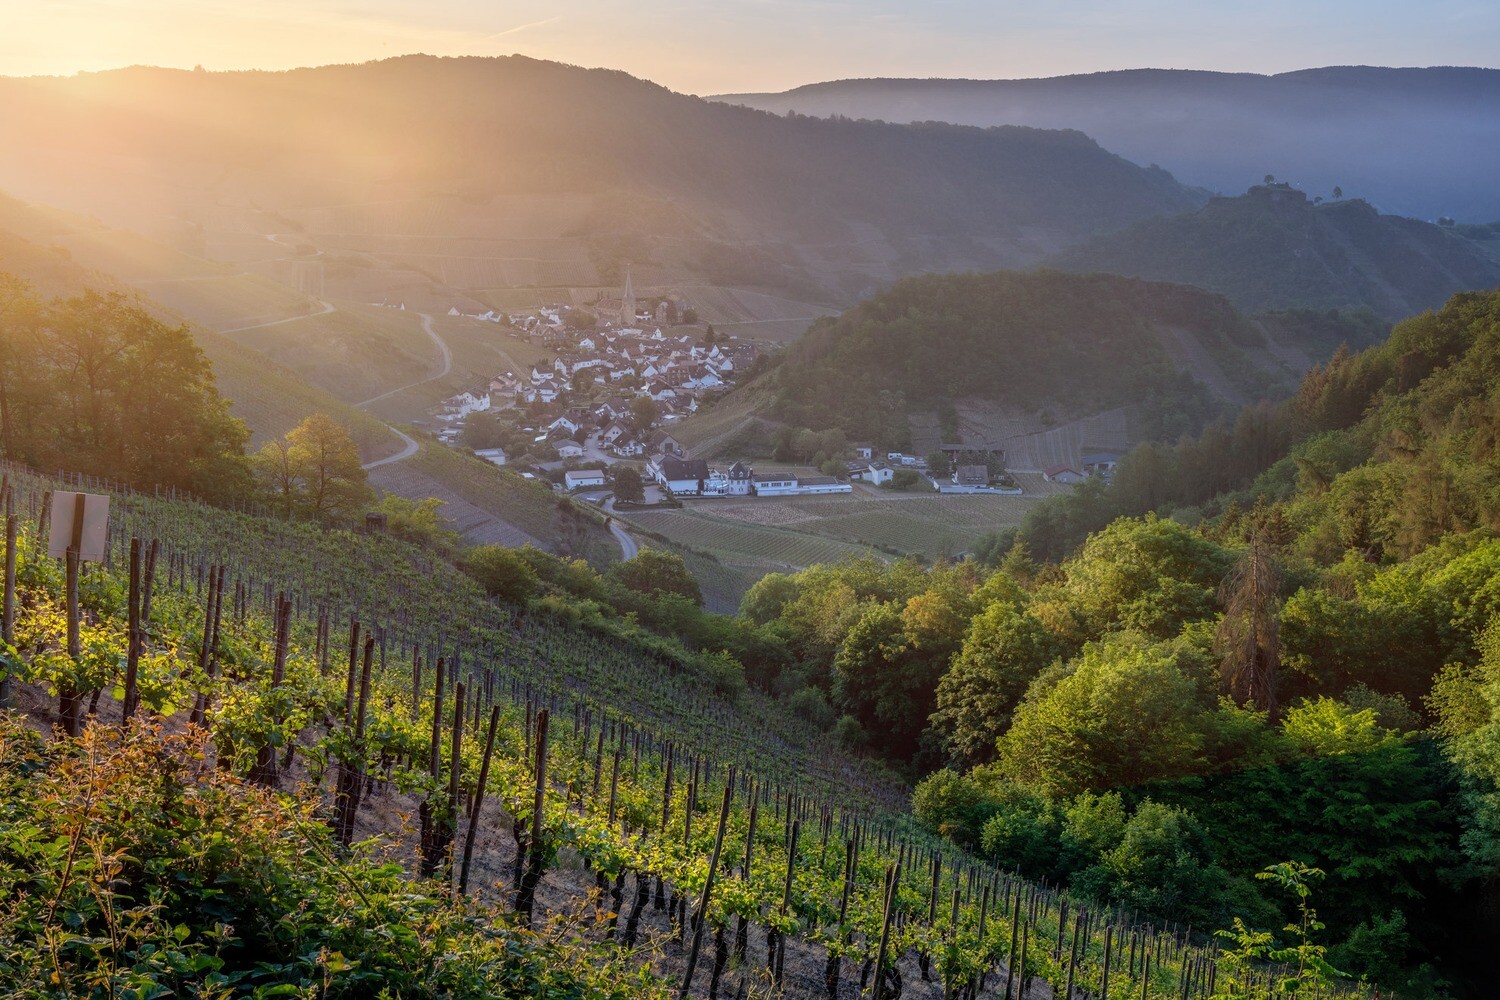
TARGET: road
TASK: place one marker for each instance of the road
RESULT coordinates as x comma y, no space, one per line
446,367
628,547
328,307
410,448
404,453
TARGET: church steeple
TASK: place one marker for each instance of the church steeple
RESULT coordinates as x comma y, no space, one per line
627,302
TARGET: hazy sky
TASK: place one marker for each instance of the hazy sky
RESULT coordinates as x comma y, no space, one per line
730,45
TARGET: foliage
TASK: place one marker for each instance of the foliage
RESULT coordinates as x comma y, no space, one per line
133,867
95,383
1042,336
313,471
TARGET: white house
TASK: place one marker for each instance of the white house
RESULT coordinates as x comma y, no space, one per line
568,449
579,478
628,447
465,403
679,475
739,480
1063,474
873,472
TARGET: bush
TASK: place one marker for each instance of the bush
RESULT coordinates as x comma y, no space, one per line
811,705
132,869
503,573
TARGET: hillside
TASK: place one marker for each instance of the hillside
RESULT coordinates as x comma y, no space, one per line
1273,248
463,177
48,250
1419,142
1003,357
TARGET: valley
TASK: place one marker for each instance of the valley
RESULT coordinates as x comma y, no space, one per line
568,537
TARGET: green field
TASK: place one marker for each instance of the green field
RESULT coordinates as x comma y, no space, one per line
732,541
930,525
354,352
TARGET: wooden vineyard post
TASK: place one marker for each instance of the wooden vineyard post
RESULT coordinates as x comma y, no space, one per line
425,813
484,777
1109,940
265,771
892,881
831,972
526,893
351,777
742,926
776,946
8,621
133,635
70,699
701,917
1015,932
1073,952
455,765
206,652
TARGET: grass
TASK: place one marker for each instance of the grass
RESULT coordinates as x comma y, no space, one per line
930,525
471,485
737,541
273,399
354,353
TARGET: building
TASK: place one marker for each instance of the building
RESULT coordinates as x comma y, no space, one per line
1063,474
971,475
661,443
679,475
568,449
739,480
579,478
1100,462
877,473
627,302
823,484
865,451
465,403
771,484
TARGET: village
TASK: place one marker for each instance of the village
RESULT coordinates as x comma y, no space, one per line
618,383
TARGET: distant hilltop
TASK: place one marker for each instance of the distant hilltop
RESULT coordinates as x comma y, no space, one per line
1422,142
1276,248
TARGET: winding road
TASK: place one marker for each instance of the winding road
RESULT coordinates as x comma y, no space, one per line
407,452
328,307
447,365
628,547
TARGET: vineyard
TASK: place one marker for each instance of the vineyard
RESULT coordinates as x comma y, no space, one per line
711,836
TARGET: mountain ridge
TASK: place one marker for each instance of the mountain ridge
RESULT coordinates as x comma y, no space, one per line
1350,126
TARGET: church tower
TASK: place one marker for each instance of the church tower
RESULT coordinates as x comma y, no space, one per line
627,302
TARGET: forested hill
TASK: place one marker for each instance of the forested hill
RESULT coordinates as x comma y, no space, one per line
428,133
1411,140
1275,248
1060,344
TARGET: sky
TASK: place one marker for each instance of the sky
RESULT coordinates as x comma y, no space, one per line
756,45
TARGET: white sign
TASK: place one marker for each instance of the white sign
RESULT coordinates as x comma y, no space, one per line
79,519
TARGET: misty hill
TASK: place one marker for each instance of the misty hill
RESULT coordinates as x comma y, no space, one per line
1273,248
1046,348
450,156
1422,142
